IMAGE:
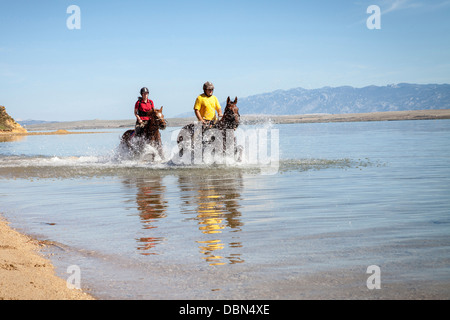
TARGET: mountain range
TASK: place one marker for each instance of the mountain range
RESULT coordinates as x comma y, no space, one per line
347,99
336,100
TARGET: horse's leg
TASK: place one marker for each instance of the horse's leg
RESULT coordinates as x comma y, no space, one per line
238,149
157,143
180,144
186,131
138,144
160,150
231,148
238,153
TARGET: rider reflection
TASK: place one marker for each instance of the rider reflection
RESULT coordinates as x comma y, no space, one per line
216,201
152,207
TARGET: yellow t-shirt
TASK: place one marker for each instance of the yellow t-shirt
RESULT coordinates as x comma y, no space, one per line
207,106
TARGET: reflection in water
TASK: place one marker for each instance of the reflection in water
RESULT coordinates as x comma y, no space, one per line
215,199
11,138
210,200
152,207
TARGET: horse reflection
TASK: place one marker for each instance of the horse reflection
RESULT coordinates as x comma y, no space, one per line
216,201
152,207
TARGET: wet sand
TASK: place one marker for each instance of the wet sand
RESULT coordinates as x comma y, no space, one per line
25,274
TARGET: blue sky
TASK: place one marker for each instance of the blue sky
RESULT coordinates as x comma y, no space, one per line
49,72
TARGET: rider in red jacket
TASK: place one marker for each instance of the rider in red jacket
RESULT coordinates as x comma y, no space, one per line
141,108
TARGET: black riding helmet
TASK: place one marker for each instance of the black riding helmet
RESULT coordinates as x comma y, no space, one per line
208,85
144,90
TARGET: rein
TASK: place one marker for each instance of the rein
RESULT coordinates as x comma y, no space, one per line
229,118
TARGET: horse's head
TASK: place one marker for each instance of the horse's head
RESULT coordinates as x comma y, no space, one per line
158,118
231,116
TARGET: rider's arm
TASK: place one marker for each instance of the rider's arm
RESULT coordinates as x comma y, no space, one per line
136,110
197,107
137,115
199,116
218,108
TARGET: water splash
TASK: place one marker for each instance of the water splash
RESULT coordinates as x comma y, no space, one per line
119,164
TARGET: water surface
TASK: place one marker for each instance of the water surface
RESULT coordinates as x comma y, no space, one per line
345,196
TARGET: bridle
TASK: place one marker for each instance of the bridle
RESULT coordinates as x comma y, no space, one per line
231,118
158,119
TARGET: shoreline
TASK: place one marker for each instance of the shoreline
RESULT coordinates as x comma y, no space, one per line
366,117
25,274
432,114
57,132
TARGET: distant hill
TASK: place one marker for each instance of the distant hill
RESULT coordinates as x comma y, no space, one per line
346,99
30,122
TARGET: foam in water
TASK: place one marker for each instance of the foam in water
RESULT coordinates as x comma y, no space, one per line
260,154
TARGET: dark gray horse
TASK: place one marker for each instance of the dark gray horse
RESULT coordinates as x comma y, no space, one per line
224,130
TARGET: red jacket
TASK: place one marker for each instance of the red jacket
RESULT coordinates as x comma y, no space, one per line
143,107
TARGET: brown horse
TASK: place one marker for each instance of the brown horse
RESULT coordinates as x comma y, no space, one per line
224,130
150,135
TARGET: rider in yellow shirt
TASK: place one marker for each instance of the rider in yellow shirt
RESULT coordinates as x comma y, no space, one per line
206,105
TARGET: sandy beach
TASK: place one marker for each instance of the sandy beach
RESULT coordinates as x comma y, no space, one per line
25,274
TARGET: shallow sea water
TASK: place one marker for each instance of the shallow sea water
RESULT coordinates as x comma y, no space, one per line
343,197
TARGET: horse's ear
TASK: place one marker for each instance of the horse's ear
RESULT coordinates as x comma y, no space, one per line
161,108
235,100
228,100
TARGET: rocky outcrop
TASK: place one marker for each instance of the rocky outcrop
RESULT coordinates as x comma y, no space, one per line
7,124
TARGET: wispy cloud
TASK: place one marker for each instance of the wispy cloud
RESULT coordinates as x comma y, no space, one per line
388,6
440,5
396,5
